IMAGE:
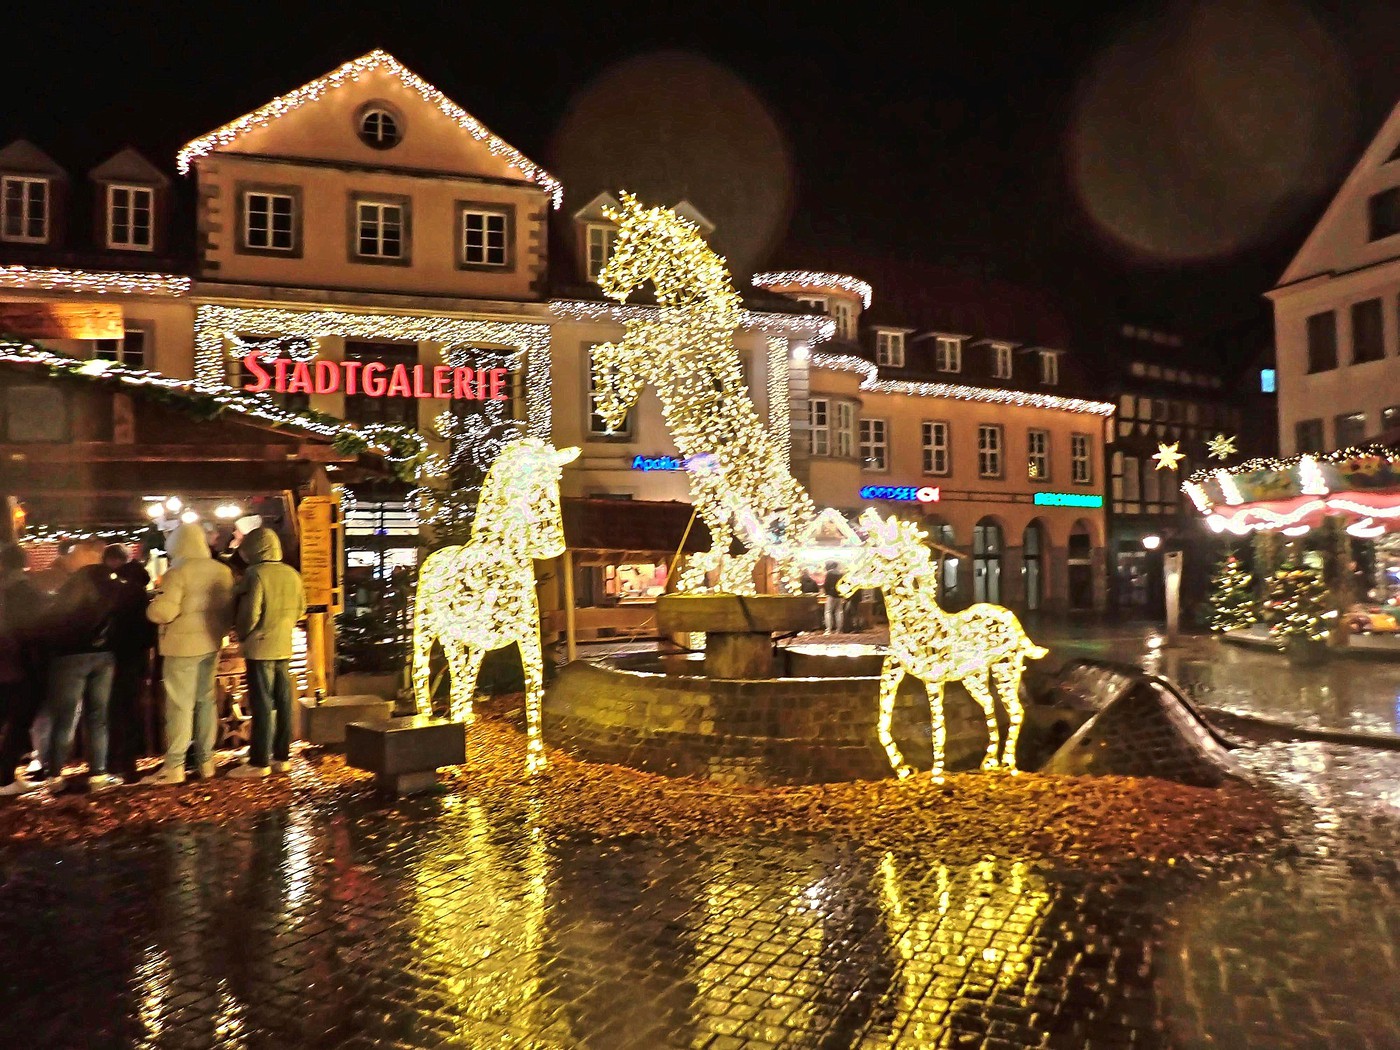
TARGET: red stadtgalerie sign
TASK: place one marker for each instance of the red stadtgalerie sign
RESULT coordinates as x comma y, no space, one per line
376,379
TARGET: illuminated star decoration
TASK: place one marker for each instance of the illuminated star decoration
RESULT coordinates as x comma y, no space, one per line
983,647
1221,447
1168,457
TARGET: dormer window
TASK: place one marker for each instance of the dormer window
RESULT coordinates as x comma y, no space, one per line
947,354
889,349
1049,367
24,209
130,211
601,239
845,316
1001,361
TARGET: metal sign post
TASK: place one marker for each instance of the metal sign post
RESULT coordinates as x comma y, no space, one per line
1171,571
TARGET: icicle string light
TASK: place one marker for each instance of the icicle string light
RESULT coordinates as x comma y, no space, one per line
779,397
685,351
1302,474
935,646
476,597
816,281
810,328
349,73
94,282
956,391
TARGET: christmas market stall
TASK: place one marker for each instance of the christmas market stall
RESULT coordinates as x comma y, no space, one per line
92,449
1316,560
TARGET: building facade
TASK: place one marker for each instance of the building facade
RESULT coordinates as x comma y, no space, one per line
1336,324
978,434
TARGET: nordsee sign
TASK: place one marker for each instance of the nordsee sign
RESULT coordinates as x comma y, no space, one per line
901,493
1067,499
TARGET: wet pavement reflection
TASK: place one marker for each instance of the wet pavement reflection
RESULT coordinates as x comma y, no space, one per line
446,923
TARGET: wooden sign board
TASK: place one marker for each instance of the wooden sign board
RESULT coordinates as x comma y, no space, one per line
62,320
321,552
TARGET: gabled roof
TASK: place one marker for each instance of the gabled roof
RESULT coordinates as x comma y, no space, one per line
1312,258
25,158
593,210
348,73
692,214
128,165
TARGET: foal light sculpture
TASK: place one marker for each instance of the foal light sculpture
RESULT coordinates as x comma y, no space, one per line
479,596
935,646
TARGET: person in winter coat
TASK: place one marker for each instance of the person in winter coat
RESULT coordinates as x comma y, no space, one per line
194,611
78,630
270,600
132,637
23,666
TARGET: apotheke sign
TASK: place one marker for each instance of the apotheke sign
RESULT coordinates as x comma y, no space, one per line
376,379
902,493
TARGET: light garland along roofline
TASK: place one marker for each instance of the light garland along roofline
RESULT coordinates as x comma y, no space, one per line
94,282
817,280
349,72
814,327
397,445
956,391
1259,463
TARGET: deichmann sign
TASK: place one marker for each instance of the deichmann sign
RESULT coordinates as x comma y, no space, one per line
376,379
902,493
1067,499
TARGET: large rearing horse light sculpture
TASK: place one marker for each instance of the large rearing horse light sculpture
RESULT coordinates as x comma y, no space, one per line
740,481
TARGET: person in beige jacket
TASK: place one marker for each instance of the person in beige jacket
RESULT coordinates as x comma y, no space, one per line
194,610
269,601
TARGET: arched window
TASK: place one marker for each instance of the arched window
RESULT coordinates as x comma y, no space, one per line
1032,566
986,561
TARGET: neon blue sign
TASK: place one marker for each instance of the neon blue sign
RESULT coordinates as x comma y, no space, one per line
650,463
901,493
1067,499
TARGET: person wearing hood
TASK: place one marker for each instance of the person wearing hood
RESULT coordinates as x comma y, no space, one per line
270,600
194,610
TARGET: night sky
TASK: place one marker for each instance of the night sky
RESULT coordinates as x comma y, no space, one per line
1150,162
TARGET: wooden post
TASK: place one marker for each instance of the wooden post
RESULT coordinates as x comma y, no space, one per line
570,631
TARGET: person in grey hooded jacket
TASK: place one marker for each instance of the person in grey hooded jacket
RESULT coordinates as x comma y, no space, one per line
269,600
193,609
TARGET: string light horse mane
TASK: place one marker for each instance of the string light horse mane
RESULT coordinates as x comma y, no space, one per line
740,481
480,596
935,646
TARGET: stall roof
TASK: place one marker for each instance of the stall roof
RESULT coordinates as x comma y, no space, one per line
643,527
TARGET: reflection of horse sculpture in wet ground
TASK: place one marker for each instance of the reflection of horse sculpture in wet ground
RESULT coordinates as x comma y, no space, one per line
740,474
939,647
480,596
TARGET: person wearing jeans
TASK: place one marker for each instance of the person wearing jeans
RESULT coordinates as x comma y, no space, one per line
270,600
193,609
79,629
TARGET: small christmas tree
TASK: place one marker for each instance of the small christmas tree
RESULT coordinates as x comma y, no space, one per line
1299,605
1231,596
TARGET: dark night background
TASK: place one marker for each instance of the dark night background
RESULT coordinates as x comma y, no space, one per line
1150,162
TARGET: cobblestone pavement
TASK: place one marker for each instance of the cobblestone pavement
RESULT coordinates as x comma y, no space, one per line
443,923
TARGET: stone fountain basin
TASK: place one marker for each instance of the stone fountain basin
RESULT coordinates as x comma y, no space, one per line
814,720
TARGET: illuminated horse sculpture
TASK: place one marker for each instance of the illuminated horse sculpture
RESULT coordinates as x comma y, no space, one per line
739,471
935,646
481,596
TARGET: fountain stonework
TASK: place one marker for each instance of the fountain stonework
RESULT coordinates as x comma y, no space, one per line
745,712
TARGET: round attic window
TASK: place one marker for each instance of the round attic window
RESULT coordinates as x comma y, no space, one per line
379,128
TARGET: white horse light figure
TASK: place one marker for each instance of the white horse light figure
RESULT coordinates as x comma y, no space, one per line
938,647
480,596
687,353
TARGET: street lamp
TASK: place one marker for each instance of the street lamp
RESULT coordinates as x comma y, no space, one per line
1151,542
